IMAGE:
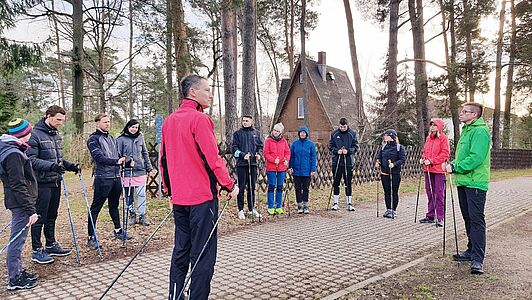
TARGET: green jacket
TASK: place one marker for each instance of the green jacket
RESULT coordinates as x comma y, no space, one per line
472,158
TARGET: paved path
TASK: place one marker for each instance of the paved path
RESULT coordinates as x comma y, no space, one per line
302,258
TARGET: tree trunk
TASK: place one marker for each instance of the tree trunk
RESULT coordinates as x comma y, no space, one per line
506,130
288,50
130,75
180,41
169,80
249,47
495,135
229,70
61,71
359,102
303,59
77,64
454,102
415,9
470,78
101,66
259,104
391,104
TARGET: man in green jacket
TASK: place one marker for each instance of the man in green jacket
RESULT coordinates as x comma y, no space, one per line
472,168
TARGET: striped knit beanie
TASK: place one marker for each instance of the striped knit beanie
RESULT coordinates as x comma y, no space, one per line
19,128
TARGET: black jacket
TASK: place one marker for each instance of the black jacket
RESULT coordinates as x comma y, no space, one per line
394,152
16,172
346,139
246,140
105,154
46,149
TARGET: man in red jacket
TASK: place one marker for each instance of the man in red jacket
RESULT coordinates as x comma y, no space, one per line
435,152
193,174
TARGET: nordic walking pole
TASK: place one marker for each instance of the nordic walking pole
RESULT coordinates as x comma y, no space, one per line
129,194
5,227
136,254
258,191
332,185
444,210
251,190
187,279
122,181
70,219
84,191
391,187
433,199
417,198
454,215
13,239
345,178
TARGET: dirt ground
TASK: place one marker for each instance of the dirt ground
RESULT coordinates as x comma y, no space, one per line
507,267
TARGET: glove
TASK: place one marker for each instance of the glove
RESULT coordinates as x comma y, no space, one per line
129,159
76,169
59,169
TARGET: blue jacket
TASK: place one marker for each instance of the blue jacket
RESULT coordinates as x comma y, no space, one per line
394,152
105,154
303,155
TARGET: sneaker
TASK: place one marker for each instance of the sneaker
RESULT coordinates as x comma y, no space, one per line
426,221
255,213
300,210
143,220
439,223
21,282
462,256
335,206
306,210
122,235
271,211
41,257
350,207
241,215
92,243
56,250
30,276
387,213
279,211
476,267
394,214
132,219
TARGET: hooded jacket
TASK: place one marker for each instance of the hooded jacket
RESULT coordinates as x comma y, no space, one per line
134,147
343,139
394,152
46,149
436,150
104,152
191,167
246,140
276,149
18,178
472,158
303,155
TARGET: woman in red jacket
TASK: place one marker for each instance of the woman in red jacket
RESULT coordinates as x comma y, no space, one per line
277,155
435,152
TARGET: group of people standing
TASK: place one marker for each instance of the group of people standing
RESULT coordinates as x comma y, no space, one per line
32,167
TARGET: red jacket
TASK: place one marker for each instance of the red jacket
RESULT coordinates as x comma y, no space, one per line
436,149
190,164
274,149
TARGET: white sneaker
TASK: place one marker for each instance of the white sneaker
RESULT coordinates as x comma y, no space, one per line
335,206
241,215
300,210
256,214
350,207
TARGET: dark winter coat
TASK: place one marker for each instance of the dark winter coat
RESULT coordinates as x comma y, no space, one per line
394,152
46,149
134,147
16,172
104,152
343,139
246,140
303,155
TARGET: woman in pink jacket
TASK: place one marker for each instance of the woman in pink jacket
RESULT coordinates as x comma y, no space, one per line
277,155
435,152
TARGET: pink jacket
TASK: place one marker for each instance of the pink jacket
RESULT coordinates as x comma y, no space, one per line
274,149
436,149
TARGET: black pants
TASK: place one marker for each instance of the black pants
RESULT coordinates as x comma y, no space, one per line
193,225
301,184
106,188
472,203
391,192
47,206
243,183
347,175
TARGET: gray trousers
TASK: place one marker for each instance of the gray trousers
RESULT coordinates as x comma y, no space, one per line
19,219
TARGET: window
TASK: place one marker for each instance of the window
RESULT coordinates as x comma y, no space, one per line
300,78
300,108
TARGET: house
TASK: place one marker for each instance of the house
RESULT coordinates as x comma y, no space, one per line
330,97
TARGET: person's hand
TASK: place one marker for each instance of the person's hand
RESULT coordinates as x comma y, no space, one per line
312,174
233,193
33,218
391,165
121,161
427,162
290,171
132,163
344,151
57,168
277,161
78,169
257,157
286,163
377,164
247,156
449,168
421,161
340,151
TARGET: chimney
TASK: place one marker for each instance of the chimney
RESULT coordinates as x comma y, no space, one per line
322,65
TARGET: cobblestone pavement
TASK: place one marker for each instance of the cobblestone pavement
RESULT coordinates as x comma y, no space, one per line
301,258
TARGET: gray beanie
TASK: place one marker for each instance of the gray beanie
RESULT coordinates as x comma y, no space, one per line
279,127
